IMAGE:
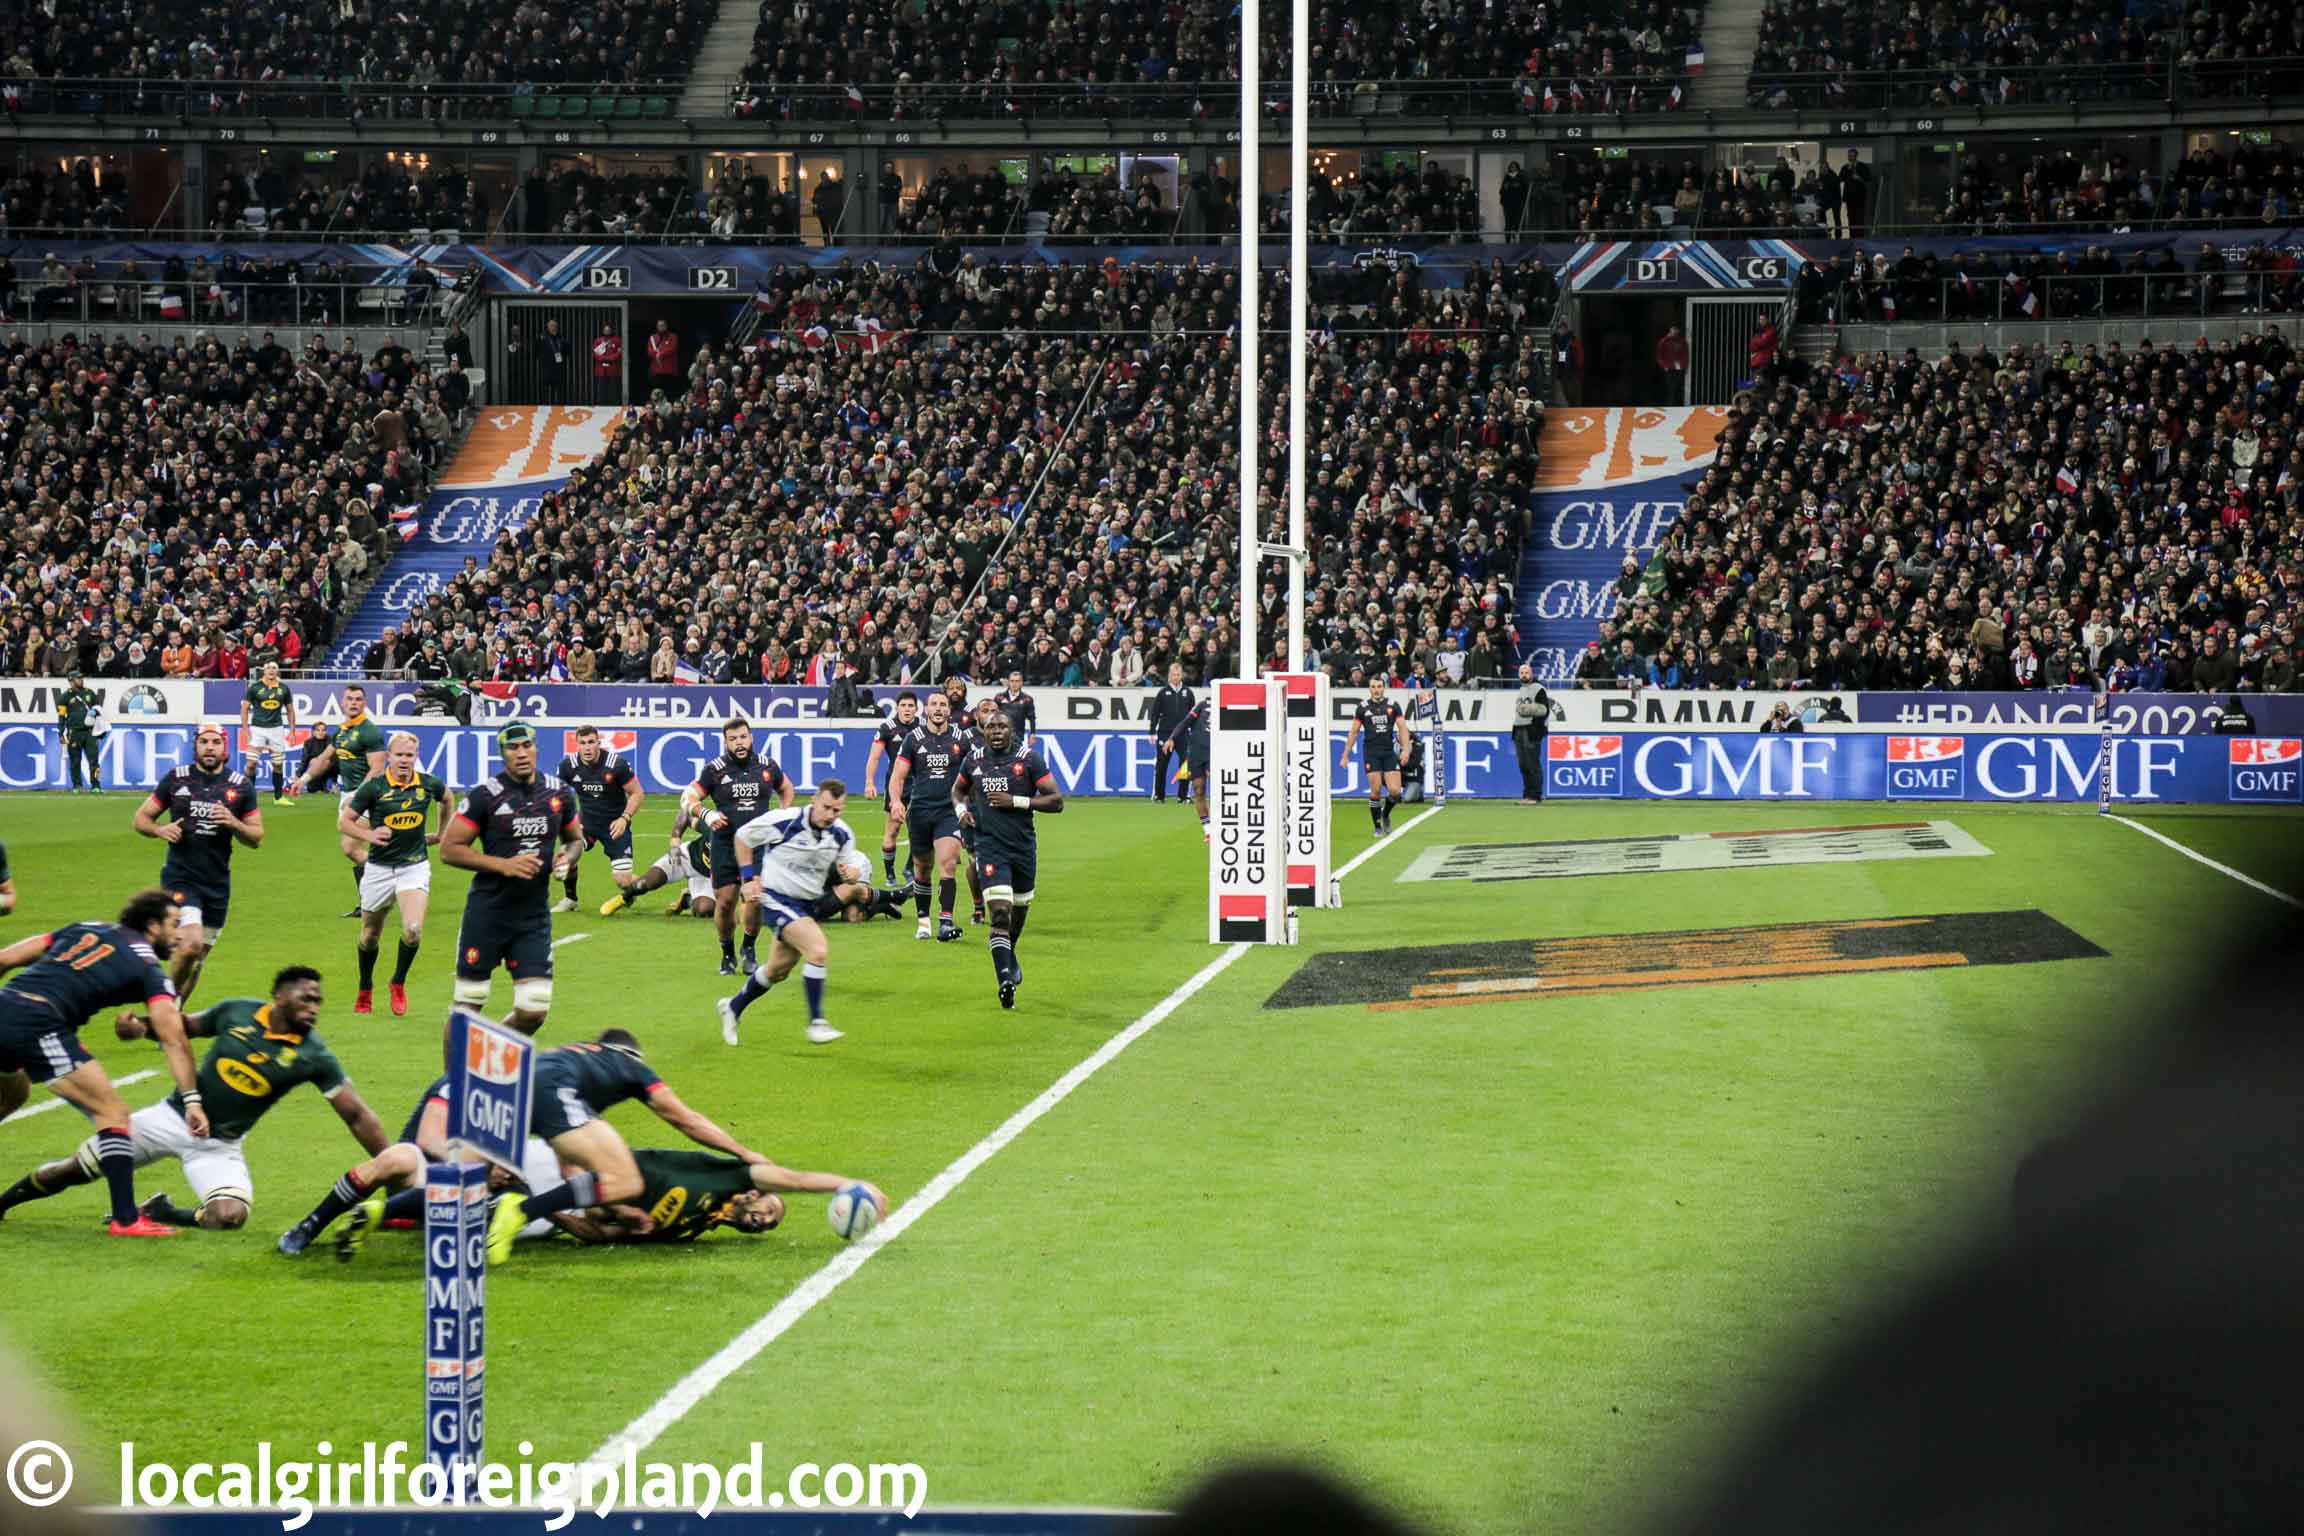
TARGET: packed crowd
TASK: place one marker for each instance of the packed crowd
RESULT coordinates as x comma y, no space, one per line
414,41
965,207
2013,52
1023,56
195,510
2254,185
2134,519
986,467
2088,283
1385,203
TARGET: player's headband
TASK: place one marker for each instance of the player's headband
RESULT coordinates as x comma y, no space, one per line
516,735
209,729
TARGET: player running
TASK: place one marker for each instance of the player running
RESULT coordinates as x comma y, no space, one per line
210,806
607,800
503,831
922,784
387,812
263,1050
737,785
69,976
572,1088
785,860
686,864
1000,787
357,751
886,743
684,1195
267,715
1387,743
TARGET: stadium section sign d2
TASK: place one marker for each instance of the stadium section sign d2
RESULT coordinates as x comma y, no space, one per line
1248,815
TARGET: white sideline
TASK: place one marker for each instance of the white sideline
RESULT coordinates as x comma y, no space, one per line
47,1104
2198,857
740,1351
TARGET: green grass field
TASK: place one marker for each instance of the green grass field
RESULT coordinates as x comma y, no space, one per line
1520,1262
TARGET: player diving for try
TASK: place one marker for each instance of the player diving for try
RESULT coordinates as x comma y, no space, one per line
794,864
887,741
1385,746
608,800
999,789
210,806
387,812
69,976
263,1050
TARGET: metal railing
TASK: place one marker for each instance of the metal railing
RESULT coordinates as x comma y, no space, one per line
2057,297
363,104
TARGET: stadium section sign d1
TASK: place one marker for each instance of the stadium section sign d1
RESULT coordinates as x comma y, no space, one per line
1248,815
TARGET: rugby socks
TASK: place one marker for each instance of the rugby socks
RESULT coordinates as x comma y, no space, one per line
116,1155
1389,802
569,884
162,1209
888,862
920,896
405,1204
1003,953
400,964
1376,814
945,890
26,1188
346,1193
580,1193
812,980
359,870
728,950
367,967
279,781
756,986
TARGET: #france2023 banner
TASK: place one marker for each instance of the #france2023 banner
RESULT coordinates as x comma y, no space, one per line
1936,765
1611,484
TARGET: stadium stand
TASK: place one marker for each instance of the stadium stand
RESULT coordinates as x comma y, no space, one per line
418,42
2032,520
198,509
1809,53
1027,466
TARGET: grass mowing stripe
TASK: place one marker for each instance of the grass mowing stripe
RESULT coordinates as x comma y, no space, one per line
740,1351
2198,857
46,1105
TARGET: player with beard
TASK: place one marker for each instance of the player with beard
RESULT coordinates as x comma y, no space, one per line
886,743
70,975
608,798
734,787
210,806
922,784
1001,786
504,831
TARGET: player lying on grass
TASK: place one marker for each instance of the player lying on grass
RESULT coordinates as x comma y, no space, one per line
806,859
264,1049
68,977
685,864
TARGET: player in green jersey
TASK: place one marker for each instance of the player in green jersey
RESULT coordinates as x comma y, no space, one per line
359,753
267,715
264,1049
387,814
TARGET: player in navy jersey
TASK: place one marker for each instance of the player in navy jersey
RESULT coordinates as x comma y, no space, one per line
69,976
1001,786
922,784
607,801
1385,745
210,805
733,788
505,832
886,743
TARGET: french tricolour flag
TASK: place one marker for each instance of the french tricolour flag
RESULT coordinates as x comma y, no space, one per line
1694,63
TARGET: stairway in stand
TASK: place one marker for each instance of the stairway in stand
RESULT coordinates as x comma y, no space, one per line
727,44
1731,31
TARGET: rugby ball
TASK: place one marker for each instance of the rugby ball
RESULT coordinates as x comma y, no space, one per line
852,1212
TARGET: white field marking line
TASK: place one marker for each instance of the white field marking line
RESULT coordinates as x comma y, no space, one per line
740,1351
45,1105
573,938
2198,857
1382,843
